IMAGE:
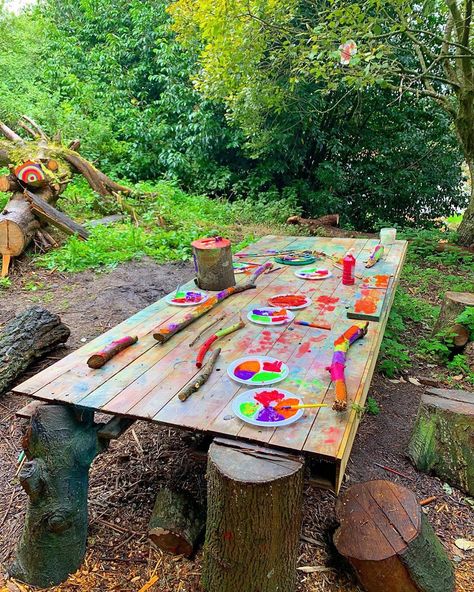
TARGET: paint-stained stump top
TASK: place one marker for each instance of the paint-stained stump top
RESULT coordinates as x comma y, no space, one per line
143,381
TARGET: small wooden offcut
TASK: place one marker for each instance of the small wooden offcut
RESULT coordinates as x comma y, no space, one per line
142,382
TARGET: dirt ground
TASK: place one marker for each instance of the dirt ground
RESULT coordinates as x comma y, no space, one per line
124,479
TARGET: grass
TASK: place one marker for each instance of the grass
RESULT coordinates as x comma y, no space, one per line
170,220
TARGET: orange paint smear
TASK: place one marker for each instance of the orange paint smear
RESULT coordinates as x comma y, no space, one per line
368,302
287,412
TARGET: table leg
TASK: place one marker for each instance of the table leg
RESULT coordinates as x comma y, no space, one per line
60,445
255,498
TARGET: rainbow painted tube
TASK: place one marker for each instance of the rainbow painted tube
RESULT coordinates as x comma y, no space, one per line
338,362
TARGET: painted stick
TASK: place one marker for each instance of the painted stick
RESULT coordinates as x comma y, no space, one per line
163,334
307,406
205,328
375,256
320,325
201,377
338,363
221,333
98,359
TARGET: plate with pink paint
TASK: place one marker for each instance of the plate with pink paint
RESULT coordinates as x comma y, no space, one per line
267,315
258,370
313,273
267,407
186,298
290,301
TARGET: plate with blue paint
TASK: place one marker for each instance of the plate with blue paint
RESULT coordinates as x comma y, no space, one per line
268,315
258,370
267,407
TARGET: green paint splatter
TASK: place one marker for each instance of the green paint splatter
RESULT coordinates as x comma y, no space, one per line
248,409
260,318
265,376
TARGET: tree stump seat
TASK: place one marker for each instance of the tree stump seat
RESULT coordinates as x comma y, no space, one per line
389,542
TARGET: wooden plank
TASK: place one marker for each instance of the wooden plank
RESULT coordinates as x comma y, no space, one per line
452,394
27,411
368,305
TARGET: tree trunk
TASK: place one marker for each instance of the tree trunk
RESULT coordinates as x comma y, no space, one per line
443,436
176,523
253,519
453,305
60,448
27,337
389,542
213,258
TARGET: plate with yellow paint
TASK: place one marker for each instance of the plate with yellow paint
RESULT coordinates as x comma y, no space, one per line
267,407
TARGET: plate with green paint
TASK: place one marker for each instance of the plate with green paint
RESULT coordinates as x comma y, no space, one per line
267,407
258,370
296,259
267,315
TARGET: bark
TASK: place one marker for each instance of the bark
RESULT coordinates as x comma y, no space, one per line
201,378
254,513
27,337
176,523
453,305
17,226
389,542
441,441
60,448
215,270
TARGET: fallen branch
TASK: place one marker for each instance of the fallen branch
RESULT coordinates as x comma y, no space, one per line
206,328
201,377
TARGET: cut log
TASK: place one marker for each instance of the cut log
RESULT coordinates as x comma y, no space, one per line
443,437
17,226
51,215
213,258
27,337
9,184
389,542
254,509
176,523
453,305
99,359
60,447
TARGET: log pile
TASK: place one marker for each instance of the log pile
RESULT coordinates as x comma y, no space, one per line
40,170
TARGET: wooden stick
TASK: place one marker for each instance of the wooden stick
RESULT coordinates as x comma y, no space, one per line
201,377
221,333
306,406
163,334
98,359
35,126
393,471
206,328
428,500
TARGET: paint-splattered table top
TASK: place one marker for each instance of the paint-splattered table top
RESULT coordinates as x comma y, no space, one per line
143,381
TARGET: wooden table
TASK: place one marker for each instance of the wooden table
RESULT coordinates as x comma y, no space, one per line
142,382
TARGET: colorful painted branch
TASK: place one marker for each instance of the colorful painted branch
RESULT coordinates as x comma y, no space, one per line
98,359
338,363
375,256
218,334
201,377
205,328
163,334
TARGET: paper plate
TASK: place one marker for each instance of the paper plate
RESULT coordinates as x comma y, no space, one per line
295,259
261,407
258,370
313,273
290,301
187,298
267,315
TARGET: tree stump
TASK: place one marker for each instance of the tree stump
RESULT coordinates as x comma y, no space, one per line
253,519
60,447
389,542
27,337
442,441
214,265
453,305
176,523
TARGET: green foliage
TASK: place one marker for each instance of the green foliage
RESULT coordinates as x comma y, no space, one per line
372,407
5,283
394,355
466,318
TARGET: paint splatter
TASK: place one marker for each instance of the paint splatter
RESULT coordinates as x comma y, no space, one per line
249,409
265,376
188,297
376,281
269,415
289,300
367,301
287,412
326,303
273,366
267,315
268,397
246,370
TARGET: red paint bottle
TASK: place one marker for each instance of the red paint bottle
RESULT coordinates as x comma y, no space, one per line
348,269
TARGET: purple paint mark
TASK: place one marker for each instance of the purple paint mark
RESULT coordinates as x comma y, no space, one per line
243,374
268,414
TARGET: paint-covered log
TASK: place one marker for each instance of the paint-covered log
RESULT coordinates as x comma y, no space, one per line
214,265
454,303
389,542
60,446
176,522
254,510
24,339
443,437
163,334
99,359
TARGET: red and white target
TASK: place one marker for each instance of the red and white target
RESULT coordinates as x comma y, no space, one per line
30,173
